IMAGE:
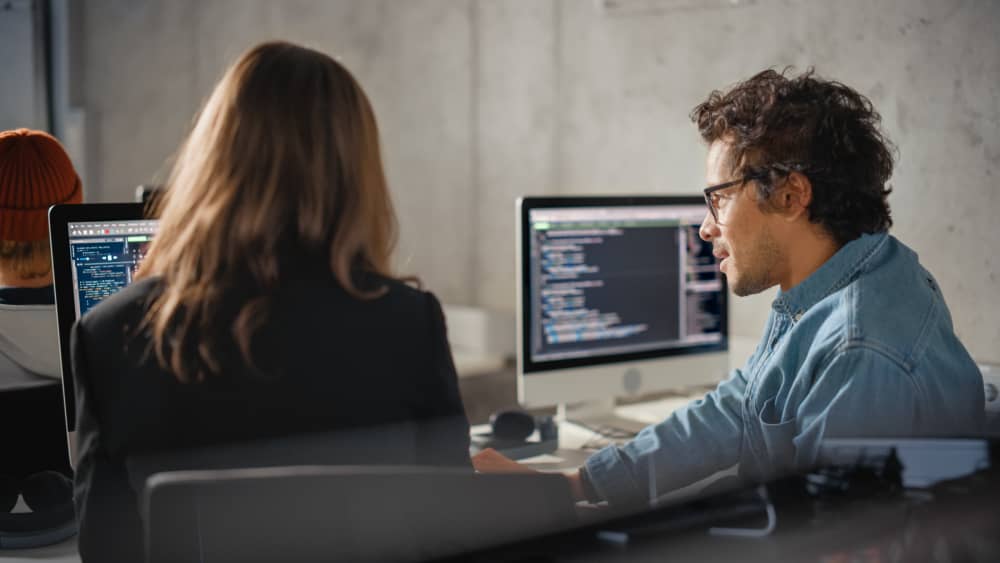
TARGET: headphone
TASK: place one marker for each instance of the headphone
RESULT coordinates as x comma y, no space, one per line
49,495
516,425
511,434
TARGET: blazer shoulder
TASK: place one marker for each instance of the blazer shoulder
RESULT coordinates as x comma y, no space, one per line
401,293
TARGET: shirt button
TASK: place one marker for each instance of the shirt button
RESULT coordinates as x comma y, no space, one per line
798,316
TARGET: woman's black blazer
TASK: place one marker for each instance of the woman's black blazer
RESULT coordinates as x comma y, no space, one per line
346,381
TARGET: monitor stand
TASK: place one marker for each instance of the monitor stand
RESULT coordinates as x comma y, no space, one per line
599,416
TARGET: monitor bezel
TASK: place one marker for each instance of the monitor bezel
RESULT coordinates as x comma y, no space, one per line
60,216
526,365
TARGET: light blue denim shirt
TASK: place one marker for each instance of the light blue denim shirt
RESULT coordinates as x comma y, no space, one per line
863,347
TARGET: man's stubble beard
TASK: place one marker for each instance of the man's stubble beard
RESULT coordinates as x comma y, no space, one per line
758,267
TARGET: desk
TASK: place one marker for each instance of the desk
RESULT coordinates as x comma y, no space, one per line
577,443
953,520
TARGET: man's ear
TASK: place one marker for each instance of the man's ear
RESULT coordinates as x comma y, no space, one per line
795,196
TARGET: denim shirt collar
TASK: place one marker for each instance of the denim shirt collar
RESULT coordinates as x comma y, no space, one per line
834,274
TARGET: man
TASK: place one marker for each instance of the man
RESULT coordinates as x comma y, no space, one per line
35,173
859,341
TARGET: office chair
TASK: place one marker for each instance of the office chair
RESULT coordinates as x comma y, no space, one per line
345,513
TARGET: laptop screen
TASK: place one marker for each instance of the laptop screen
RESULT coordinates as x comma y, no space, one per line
96,250
104,257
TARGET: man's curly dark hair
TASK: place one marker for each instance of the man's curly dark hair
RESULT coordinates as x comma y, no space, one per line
828,131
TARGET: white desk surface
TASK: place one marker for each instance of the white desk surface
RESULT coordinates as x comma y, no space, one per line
570,455
577,443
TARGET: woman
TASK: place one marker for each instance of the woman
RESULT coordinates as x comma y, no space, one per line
265,309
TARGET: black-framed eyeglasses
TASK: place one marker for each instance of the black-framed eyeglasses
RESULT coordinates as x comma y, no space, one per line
713,199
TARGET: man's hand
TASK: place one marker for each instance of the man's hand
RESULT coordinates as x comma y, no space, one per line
492,461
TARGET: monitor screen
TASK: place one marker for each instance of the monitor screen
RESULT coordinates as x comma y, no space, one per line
606,280
104,256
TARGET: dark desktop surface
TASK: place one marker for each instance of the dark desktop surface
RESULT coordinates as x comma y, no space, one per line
831,515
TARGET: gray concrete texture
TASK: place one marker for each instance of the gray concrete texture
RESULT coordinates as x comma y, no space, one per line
480,101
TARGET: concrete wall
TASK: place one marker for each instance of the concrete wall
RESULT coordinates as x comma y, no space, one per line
480,101
23,95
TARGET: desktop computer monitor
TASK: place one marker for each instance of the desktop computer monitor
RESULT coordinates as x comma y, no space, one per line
617,297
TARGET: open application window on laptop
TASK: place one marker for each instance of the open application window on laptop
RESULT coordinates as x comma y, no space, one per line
104,256
96,250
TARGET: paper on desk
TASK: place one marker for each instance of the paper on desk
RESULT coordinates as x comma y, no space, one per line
544,458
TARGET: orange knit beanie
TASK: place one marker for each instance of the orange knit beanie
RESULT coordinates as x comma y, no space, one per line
35,173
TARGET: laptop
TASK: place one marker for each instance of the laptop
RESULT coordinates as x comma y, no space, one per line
96,249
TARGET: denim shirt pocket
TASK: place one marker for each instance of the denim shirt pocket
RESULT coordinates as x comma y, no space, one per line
778,440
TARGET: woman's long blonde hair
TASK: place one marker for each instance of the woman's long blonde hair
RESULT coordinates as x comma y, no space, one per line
283,164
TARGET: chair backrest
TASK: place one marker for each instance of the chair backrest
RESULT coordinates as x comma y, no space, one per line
385,444
345,513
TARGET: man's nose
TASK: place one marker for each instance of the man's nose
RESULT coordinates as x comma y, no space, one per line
709,229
